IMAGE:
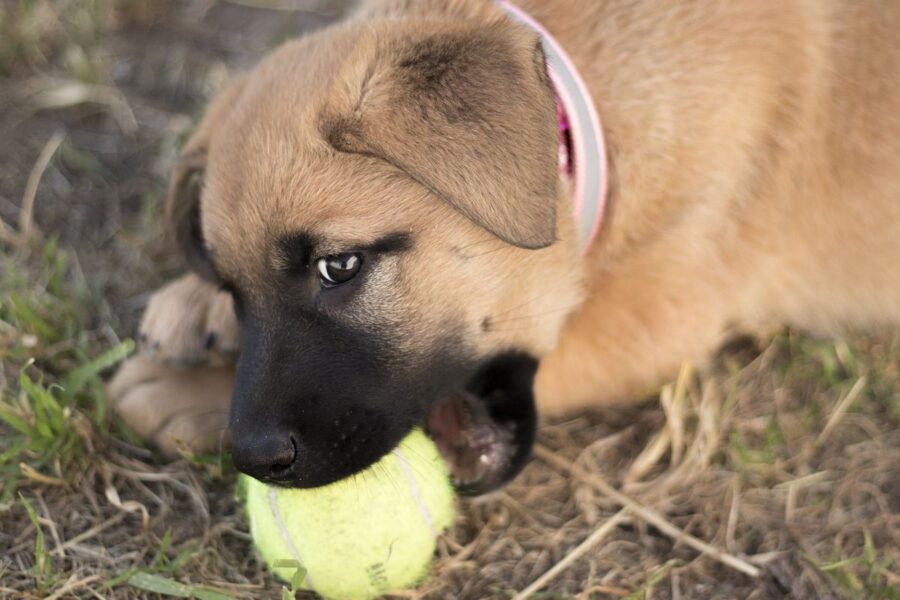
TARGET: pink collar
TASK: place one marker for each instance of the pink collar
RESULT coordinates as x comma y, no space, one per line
582,150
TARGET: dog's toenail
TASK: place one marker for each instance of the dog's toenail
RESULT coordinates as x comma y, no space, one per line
209,340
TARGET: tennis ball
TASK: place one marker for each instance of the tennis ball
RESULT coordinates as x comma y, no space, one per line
361,537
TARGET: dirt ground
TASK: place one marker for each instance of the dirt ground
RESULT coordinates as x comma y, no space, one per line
773,474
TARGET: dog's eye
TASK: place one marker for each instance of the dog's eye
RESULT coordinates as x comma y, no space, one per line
338,269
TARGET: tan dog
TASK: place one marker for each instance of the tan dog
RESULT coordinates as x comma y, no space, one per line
755,178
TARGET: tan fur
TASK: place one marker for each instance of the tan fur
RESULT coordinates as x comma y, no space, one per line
188,322
755,167
179,409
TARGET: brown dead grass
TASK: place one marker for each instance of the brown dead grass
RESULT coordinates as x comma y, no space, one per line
784,456
749,479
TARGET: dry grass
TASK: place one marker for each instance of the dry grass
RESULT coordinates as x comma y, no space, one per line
749,479
774,474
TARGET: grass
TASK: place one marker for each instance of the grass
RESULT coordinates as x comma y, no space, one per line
785,456
51,394
54,419
863,574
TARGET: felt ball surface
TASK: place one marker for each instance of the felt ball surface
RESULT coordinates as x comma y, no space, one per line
361,537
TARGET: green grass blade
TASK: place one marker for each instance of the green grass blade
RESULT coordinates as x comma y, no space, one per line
9,416
78,378
42,566
210,594
161,585
24,314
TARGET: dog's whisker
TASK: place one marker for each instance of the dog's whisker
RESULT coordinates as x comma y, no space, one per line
482,254
549,311
522,305
478,243
544,293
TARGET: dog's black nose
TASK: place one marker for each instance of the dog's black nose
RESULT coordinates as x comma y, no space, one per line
268,456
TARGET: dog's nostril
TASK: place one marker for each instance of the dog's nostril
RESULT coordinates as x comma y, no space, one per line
283,463
267,457
279,468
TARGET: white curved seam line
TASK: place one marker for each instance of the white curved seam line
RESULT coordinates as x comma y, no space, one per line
285,535
416,492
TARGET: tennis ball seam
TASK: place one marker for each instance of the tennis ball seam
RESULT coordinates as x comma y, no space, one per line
368,563
424,512
285,535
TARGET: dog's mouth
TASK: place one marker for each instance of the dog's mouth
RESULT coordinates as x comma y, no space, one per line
478,449
486,432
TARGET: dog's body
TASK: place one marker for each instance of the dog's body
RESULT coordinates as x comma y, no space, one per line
754,159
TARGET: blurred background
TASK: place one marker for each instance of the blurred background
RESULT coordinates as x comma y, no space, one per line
785,455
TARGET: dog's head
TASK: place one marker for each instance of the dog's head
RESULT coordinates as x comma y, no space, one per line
383,203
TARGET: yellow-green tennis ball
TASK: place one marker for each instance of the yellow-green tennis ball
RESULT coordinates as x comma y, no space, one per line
361,537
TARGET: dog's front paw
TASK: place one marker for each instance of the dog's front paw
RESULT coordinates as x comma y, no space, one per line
175,409
190,322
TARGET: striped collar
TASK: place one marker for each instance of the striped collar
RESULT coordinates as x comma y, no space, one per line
582,147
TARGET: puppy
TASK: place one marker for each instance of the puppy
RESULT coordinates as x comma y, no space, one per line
378,217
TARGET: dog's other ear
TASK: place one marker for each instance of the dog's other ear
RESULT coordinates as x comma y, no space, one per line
182,206
469,113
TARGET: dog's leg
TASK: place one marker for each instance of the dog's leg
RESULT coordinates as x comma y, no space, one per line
171,407
176,391
190,322
641,320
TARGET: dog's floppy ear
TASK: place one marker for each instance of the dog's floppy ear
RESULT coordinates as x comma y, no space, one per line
468,112
182,207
